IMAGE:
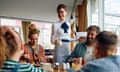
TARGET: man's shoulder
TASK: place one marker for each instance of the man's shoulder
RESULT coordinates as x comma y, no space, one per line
105,60
81,44
108,59
108,64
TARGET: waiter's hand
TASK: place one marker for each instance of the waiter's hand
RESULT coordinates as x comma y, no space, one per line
58,42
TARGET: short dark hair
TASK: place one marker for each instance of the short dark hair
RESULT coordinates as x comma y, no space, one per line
94,27
61,6
107,40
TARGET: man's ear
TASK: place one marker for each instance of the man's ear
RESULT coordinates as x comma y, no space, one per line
112,51
96,52
115,51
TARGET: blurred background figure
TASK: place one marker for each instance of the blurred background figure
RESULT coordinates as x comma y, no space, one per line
11,49
34,53
85,50
32,26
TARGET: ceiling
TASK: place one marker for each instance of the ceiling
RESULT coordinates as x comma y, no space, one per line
43,10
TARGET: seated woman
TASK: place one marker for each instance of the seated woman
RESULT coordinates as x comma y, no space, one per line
11,49
34,53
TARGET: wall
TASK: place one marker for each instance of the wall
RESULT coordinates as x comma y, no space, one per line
44,10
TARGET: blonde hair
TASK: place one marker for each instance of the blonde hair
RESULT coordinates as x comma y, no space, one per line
32,30
31,26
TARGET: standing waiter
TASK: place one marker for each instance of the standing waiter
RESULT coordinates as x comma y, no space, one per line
60,35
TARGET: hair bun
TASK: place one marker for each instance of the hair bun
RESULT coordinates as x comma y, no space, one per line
32,26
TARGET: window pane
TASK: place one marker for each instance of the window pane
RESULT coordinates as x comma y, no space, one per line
112,18
13,23
45,34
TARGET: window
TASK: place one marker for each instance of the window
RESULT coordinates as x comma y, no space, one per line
106,14
93,12
112,16
13,23
45,34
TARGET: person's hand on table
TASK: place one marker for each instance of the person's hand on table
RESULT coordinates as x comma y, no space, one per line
26,56
57,42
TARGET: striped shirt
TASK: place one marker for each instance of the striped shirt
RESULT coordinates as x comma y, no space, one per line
9,66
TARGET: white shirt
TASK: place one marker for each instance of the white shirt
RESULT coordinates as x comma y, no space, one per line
89,54
63,50
59,32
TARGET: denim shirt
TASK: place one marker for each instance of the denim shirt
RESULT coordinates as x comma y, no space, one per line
108,64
